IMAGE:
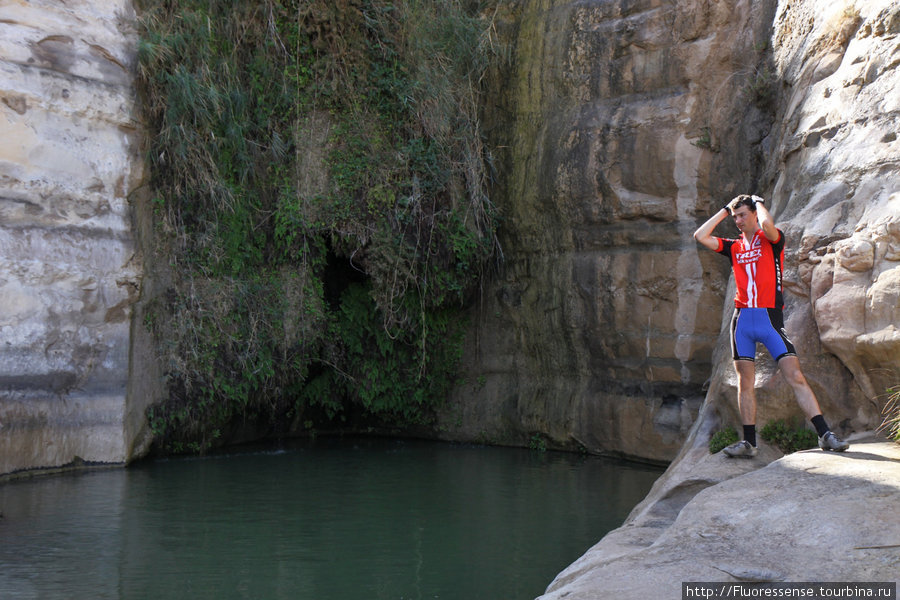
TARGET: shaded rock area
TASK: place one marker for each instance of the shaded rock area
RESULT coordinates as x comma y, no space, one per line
808,516
68,267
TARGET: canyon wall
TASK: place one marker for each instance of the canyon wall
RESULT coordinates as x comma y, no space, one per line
619,127
69,271
616,128
833,177
836,180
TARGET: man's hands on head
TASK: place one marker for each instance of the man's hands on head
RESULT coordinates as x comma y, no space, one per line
729,206
704,232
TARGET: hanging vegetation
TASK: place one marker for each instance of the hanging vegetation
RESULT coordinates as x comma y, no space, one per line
320,198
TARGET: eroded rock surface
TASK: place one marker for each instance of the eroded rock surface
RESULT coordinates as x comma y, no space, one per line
619,126
622,126
68,271
835,188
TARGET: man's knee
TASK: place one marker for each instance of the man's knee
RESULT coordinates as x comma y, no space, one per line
797,379
746,373
746,384
792,373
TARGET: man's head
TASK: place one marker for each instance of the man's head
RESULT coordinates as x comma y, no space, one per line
743,200
743,210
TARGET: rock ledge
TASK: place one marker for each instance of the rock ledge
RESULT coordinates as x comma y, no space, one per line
808,516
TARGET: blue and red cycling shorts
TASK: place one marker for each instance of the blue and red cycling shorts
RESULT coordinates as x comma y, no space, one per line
750,326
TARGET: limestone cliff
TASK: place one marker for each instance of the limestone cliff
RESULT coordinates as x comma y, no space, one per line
620,125
624,126
68,272
836,174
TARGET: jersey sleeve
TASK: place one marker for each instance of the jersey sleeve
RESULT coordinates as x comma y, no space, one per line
778,245
725,246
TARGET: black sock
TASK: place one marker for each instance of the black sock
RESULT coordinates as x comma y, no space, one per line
750,434
821,426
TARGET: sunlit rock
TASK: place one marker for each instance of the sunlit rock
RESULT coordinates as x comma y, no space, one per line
68,267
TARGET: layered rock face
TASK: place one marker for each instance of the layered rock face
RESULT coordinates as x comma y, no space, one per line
620,127
625,125
68,270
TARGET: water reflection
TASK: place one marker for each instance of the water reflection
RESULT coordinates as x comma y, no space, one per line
366,519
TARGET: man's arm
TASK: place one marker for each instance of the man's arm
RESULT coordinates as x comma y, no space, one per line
704,233
765,220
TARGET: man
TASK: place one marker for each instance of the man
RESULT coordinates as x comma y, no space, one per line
756,258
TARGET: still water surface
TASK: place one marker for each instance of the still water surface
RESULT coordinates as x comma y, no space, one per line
335,520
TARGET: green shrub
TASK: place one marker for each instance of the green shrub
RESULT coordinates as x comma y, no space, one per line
722,438
789,438
762,88
383,372
537,443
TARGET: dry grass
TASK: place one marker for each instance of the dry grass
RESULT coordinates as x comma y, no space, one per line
838,30
891,425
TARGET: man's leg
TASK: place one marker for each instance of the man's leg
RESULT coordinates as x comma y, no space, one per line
790,367
746,373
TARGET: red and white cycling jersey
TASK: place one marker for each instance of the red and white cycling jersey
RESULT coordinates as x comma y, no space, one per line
757,270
